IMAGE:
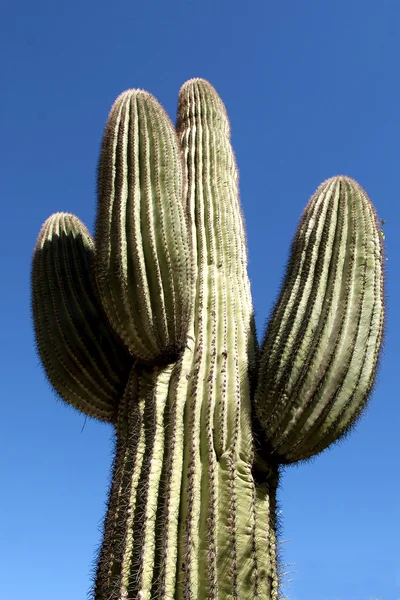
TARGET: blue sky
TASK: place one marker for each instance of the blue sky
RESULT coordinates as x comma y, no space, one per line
312,89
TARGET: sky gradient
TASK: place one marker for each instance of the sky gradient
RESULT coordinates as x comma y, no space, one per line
312,90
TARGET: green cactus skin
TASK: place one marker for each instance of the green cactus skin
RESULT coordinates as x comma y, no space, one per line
143,257
203,419
82,356
320,350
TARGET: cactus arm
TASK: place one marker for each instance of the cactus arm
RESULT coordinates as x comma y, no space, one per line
143,258
320,351
83,359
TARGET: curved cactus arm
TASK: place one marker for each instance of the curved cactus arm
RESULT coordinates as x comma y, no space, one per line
83,360
320,351
143,264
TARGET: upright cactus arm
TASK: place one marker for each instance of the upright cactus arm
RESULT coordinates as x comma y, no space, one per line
83,359
143,263
320,351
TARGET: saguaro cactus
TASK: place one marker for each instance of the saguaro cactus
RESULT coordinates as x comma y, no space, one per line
150,326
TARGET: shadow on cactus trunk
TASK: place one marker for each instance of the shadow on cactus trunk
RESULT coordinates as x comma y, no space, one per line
150,326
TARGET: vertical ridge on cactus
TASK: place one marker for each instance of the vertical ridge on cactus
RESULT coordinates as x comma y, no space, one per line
192,510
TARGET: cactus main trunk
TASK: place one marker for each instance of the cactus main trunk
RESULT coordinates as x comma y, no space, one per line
189,521
183,521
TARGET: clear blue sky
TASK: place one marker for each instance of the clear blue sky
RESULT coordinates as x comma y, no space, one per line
312,89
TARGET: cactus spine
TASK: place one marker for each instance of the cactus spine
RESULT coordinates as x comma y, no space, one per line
161,342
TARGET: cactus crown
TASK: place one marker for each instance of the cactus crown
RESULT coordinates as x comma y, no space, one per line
150,326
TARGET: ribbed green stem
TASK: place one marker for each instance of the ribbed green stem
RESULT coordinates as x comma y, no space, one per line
84,359
208,529
320,351
152,514
219,416
142,252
